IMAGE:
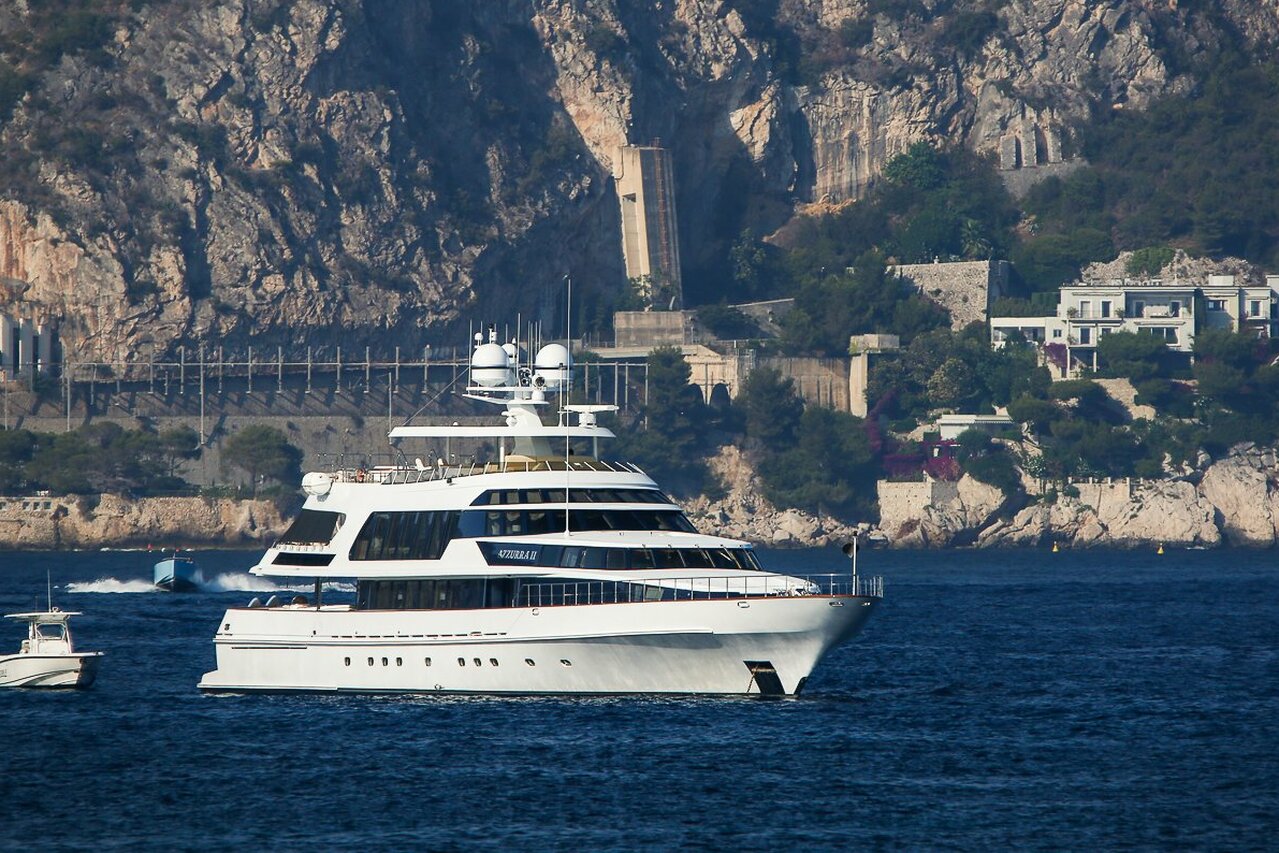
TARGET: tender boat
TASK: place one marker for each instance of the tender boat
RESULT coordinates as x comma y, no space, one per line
47,657
177,574
542,570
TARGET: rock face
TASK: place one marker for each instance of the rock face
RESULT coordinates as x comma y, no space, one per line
1244,490
295,172
744,513
70,522
1236,502
935,514
1171,513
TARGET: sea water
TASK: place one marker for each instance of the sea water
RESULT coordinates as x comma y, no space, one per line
1081,700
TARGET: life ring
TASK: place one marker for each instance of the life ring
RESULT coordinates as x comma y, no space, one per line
359,475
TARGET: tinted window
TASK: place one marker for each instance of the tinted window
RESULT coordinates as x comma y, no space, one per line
451,594
404,536
497,497
313,526
518,522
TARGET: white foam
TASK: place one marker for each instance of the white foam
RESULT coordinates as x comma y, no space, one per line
111,585
239,582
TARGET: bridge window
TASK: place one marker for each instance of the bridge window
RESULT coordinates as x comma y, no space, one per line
312,527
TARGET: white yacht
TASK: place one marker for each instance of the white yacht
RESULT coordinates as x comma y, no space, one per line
47,657
538,571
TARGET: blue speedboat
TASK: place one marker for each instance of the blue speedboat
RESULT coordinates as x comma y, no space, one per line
178,574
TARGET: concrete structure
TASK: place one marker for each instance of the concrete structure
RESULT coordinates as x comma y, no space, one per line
949,427
964,288
1172,311
650,329
861,348
27,347
650,241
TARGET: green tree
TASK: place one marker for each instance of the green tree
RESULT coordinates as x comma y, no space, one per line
772,408
262,452
829,469
952,384
178,445
672,444
919,167
1133,354
16,449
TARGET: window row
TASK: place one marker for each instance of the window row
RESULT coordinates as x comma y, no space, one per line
405,535
424,535
628,559
527,522
556,496
452,594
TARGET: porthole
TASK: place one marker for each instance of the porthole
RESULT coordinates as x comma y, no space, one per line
529,661
428,661
370,661
461,661
478,662
399,661
384,662
566,661
348,661
493,661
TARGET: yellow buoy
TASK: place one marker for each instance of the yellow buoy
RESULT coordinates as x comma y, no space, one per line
1055,548
1161,548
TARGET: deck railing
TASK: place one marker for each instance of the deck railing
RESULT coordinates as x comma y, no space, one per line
711,588
397,475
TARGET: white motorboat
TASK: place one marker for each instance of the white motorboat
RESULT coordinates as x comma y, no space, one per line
539,571
48,657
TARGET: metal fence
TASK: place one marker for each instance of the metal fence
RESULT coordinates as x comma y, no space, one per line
708,588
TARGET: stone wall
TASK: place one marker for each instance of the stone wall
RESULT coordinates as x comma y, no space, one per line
964,288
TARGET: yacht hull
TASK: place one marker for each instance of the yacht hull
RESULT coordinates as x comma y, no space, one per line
765,646
36,670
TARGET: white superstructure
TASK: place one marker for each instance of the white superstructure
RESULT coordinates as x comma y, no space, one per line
541,571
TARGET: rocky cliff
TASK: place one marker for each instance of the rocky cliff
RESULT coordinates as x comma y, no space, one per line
1233,501
111,521
309,171
744,513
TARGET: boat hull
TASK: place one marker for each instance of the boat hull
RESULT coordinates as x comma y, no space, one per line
177,575
49,671
760,646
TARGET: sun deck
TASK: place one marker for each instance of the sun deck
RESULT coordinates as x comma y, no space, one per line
400,474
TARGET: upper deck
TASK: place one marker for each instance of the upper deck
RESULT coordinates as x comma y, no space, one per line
390,475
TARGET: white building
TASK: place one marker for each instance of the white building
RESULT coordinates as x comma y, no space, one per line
1172,311
951,427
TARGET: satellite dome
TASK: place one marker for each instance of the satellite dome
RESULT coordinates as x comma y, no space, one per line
490,366
553,366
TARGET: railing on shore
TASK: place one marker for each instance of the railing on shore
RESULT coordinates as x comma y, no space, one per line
711,588
395,475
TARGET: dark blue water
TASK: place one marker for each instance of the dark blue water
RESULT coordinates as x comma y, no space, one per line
1079,700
